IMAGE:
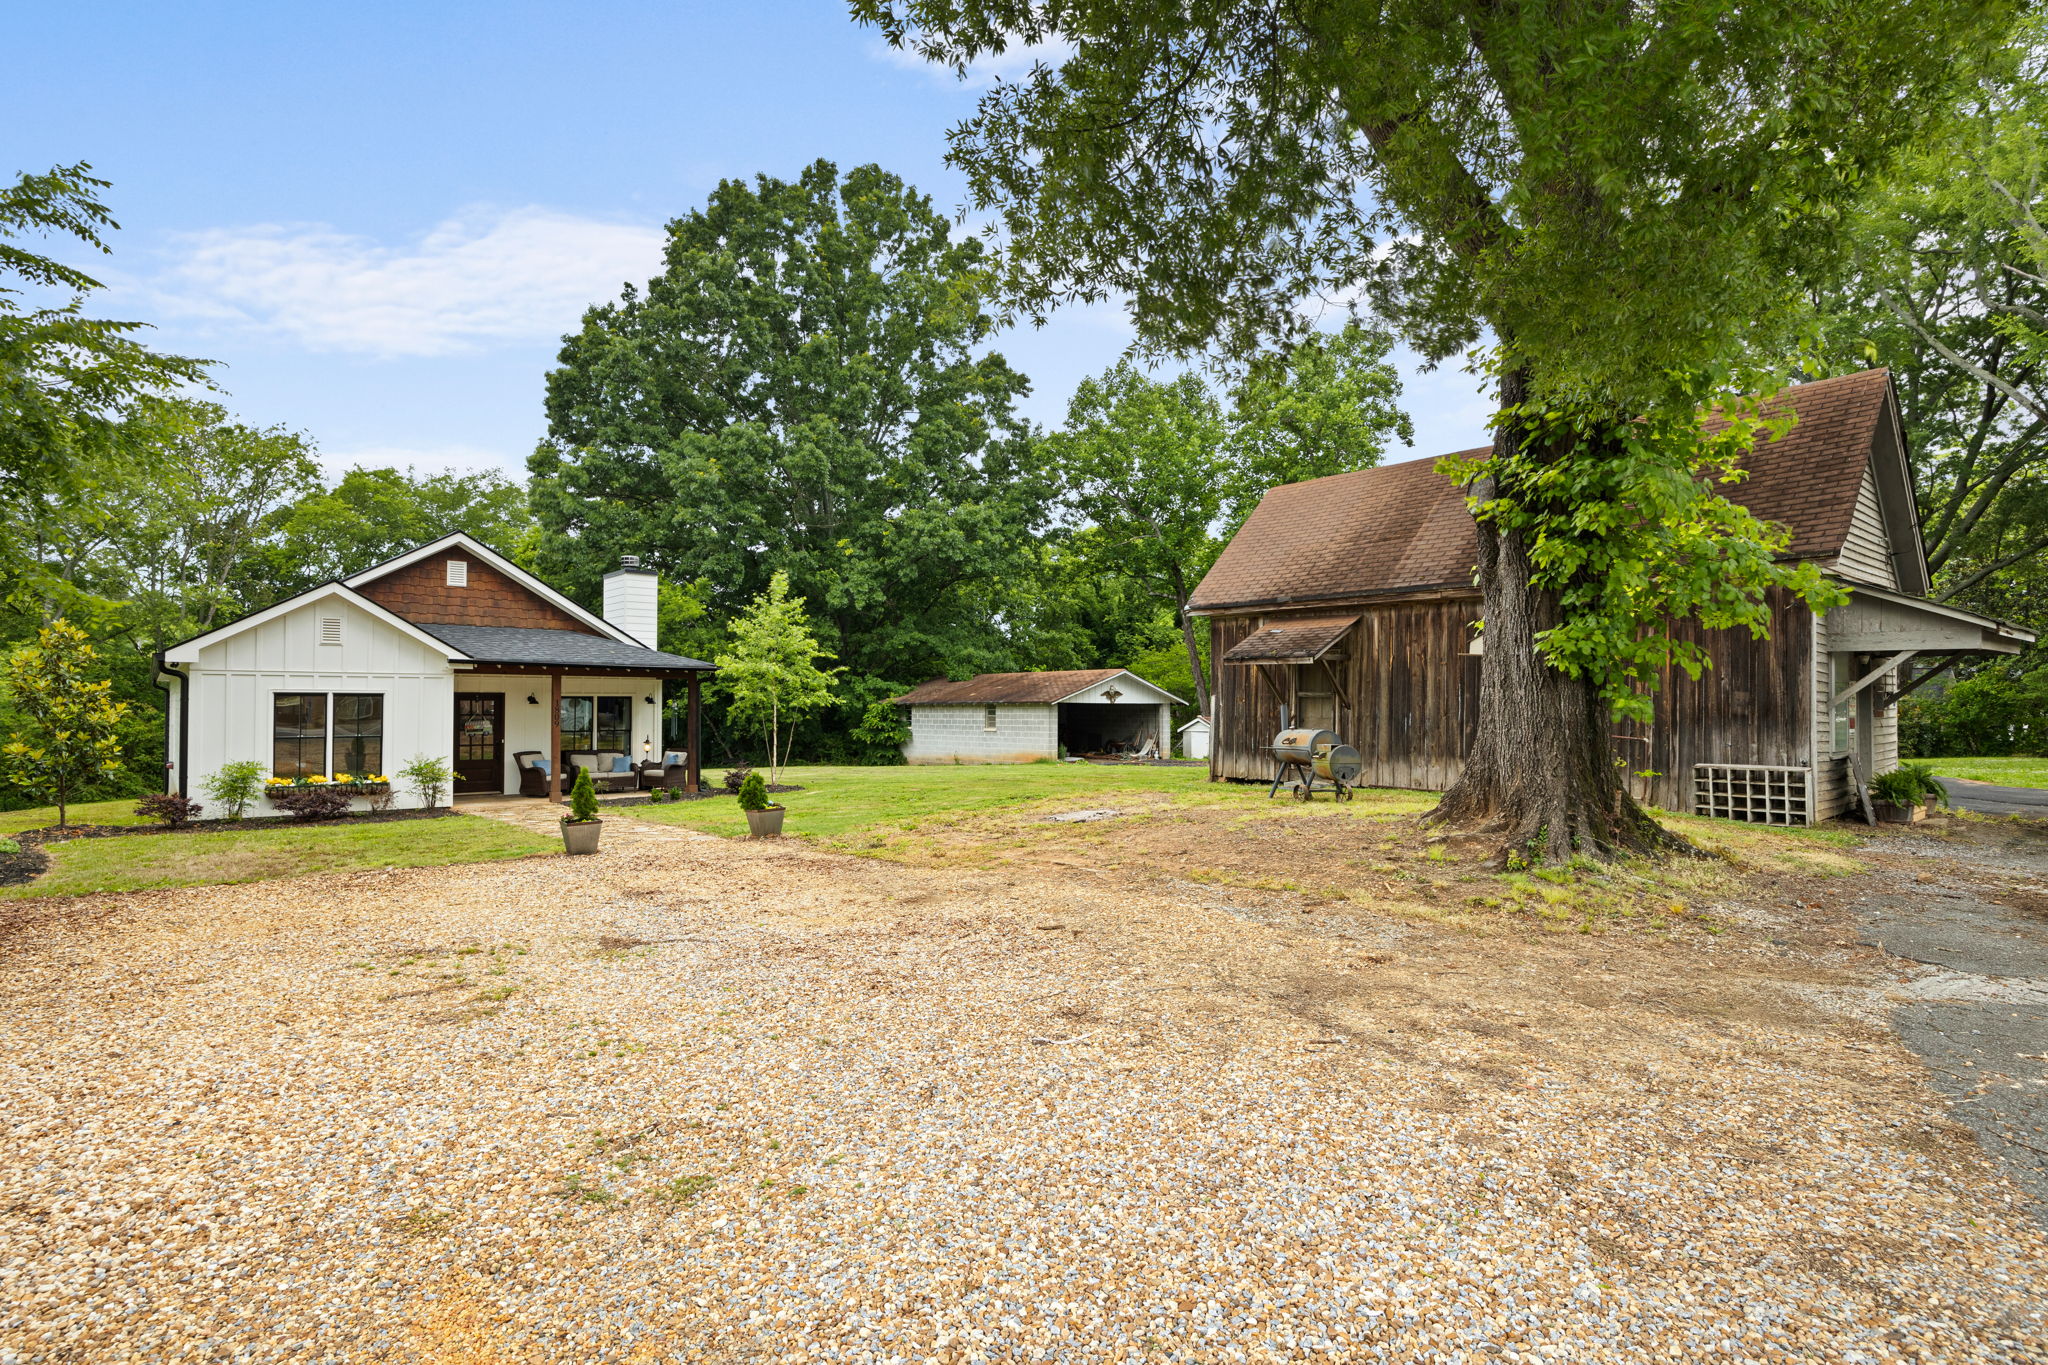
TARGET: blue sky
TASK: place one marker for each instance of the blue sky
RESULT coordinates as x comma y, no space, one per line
380,218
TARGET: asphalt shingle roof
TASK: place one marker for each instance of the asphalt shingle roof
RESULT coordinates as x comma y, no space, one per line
1404,526
1304,641
1007,689
553,648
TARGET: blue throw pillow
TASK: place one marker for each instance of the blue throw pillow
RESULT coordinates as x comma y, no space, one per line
541,763
622,764
672,759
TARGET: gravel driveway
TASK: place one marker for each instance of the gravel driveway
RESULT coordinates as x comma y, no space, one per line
699,1100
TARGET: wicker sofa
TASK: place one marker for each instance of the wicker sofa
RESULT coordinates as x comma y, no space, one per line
603,771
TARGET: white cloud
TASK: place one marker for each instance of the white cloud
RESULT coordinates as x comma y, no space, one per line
480,278
437,459
1011,64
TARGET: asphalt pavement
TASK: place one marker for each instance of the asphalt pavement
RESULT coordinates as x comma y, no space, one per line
1980,1020
1988,798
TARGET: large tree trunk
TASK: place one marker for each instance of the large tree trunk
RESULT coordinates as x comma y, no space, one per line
1541,779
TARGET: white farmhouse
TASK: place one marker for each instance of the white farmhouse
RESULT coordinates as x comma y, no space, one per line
1025,717
449,651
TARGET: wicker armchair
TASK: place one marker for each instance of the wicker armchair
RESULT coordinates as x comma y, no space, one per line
671,770
533,779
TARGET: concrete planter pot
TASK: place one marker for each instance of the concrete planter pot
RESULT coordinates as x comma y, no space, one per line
1893,814
1931,804
766,824
581,837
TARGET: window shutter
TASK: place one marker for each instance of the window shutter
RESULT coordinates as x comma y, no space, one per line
330,630
458,573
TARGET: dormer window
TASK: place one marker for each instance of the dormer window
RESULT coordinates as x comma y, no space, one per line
458,573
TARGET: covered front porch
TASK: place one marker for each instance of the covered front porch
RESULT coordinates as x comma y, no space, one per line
532,707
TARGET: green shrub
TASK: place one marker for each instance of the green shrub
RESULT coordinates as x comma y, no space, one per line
582,799
1906,784
428,778
754,793
234,787
9,847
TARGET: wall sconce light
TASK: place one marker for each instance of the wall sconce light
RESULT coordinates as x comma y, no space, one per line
648,700
532,700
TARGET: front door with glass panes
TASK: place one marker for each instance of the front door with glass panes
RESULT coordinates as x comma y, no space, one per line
479,741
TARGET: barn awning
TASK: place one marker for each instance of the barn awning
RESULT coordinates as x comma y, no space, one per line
1295,642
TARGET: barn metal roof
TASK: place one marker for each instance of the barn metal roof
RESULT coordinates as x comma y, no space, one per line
1404,527
555,648
1018,689
1295,642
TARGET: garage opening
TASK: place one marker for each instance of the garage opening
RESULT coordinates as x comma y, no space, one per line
1091,728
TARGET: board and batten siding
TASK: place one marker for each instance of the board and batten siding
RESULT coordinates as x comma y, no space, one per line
1415,686
234,680
958,734
1412,683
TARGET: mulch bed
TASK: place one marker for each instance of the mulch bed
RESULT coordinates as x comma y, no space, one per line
19,869
51,834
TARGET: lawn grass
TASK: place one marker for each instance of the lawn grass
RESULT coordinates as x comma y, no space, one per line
2006,772
838,801
139,862
121,812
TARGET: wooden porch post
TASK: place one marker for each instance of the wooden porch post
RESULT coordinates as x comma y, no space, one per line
694,738
555,737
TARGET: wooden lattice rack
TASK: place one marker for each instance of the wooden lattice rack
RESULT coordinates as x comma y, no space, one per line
1753,793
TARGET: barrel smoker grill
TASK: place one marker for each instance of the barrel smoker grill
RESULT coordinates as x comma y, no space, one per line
1303,758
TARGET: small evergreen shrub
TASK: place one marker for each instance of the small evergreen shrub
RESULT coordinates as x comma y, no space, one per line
312,803
169,809
754,793
582,799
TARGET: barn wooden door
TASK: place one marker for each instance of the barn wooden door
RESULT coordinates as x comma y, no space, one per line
479,741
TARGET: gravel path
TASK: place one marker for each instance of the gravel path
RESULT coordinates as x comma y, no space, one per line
699,1100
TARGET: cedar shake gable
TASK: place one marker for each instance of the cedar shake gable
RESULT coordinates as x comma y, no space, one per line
1405,528
420,591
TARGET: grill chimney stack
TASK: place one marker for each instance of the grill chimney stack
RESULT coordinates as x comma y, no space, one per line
631,597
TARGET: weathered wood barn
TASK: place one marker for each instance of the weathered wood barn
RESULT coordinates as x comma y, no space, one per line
1350,601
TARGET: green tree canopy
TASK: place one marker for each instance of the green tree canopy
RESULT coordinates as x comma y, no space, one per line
770,670
803,389
1621,203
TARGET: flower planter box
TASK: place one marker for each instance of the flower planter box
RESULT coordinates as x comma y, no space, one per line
1891,813
347,788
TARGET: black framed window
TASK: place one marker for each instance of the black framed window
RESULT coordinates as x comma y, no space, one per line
615,725
359,733
578,735
597,725
298,734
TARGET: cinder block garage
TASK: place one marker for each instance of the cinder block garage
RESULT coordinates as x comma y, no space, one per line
1025,717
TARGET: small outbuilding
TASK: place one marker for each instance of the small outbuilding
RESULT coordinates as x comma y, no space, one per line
1026,717
1194,738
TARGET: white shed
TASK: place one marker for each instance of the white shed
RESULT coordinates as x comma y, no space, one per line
1025,717
1194,738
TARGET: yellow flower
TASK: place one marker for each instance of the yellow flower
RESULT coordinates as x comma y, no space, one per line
316,779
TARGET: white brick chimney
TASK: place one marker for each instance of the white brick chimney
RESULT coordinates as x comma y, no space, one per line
630,597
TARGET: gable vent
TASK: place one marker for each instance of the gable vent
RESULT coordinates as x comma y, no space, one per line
458,573
330,630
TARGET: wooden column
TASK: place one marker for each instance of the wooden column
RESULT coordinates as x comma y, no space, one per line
694,738
555,736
